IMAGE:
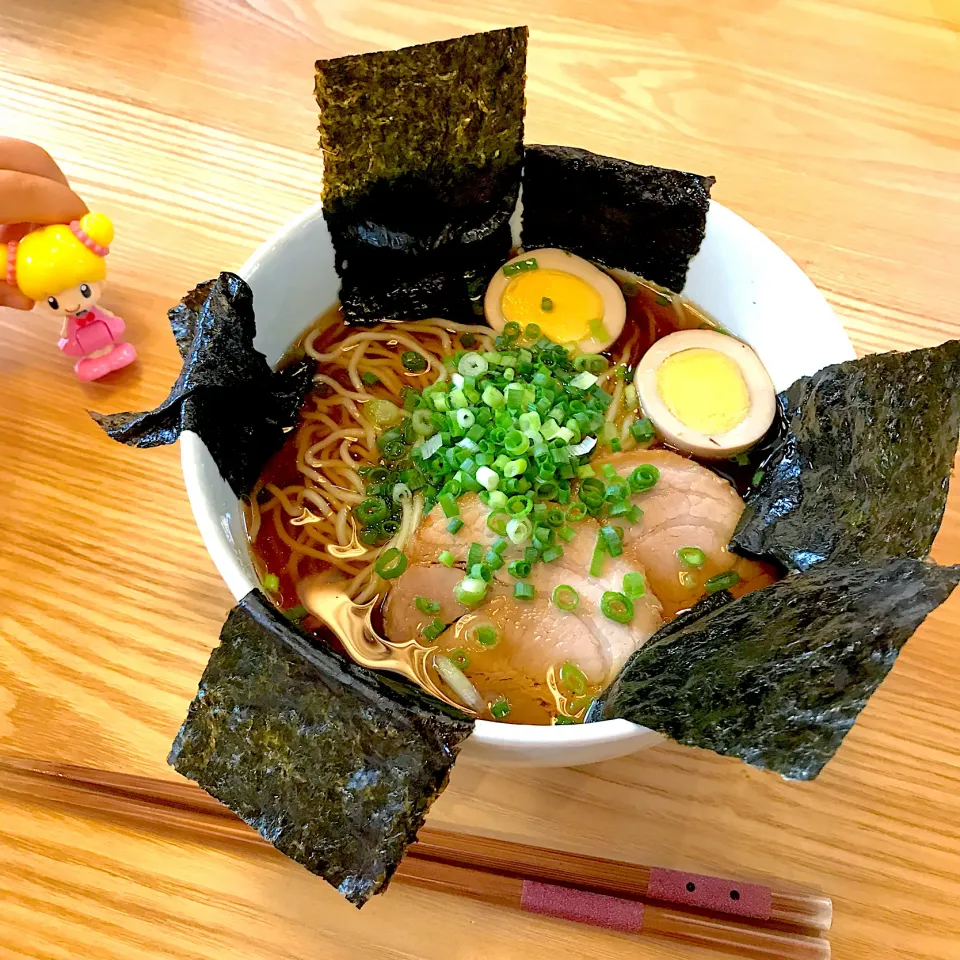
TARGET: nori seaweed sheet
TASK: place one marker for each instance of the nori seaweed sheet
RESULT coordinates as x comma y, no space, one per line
778,676
226,391
422,153
864,469
648,220
333,766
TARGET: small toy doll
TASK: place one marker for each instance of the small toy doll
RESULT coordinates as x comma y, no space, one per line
62,268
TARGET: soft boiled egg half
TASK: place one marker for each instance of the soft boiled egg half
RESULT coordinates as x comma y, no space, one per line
706,393
568,298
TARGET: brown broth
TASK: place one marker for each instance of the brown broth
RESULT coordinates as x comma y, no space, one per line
651,310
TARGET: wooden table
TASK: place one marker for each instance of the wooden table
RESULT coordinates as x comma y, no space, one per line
832,126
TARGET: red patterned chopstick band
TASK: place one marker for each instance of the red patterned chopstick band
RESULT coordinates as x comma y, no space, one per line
568,903
666,886
709,893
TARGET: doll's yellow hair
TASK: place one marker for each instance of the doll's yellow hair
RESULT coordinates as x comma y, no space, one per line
52,259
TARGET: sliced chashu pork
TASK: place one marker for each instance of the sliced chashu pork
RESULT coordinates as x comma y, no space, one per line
536,637
690,506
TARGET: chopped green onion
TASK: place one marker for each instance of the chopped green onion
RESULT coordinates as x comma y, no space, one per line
434,629
487,636
511,330
370,511
597,330
492,397
413,362
756,478
741,460
617,492
426,605
481,571
459,658
369,378
555,517
662,300
722,581
470,591
566,533
691,556
465,419
500,708
472,365
546,304
634,585
474,554
455,525
468,341
643,430
591,492
599,552
524,591
447,558
271,583
519,569
612,540
573,678
616,606
594,362
422,423
583,381
497,522
532,330
488,478
391,563
516,443
519,266
296,614
448,504
552,553
499,545
519,530
644,477
576,512
608,470
565,597
519,506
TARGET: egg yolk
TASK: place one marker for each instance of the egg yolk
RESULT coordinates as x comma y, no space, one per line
560,303
704,389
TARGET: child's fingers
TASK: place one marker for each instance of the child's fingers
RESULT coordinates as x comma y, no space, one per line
12,297
15,231
26,157
27,198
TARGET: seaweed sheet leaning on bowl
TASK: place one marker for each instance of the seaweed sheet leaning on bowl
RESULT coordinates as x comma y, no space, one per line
853,499
422,151
226,392
864,470
627,216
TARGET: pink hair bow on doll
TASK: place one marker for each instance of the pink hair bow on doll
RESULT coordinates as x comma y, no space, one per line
62,267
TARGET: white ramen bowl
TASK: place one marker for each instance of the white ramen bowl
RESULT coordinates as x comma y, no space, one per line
739,276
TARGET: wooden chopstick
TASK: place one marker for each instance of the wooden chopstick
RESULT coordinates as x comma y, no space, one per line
557,883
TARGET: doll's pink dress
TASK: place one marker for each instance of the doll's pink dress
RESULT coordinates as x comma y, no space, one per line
92,330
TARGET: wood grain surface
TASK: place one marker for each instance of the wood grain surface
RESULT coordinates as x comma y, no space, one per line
833,125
